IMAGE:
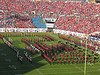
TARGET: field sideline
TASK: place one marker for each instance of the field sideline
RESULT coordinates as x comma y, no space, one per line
9,64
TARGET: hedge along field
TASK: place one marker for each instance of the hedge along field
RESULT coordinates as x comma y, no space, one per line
9,64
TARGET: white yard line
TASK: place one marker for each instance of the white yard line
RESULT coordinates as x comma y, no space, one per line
63,72
55,68
66,68
52,73
39,72
98,69
67,72
79,68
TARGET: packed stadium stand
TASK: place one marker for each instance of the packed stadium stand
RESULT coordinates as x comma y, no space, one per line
77,16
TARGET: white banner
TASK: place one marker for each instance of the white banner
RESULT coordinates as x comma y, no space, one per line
23,29
80,35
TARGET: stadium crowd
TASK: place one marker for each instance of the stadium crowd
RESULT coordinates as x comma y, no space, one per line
80,17
74,16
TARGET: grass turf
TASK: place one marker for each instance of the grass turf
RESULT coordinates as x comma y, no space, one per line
39,66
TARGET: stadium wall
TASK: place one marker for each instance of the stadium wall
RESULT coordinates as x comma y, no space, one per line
23,29
80,35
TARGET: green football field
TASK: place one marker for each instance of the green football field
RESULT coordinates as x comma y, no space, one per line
9,64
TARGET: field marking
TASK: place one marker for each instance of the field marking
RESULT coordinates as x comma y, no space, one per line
39,71
87,71
81,71
98,69
63,72
68,72
53,69
79,68
52,73
68,68
56,68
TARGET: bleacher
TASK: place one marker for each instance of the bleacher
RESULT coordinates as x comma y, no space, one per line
80,16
